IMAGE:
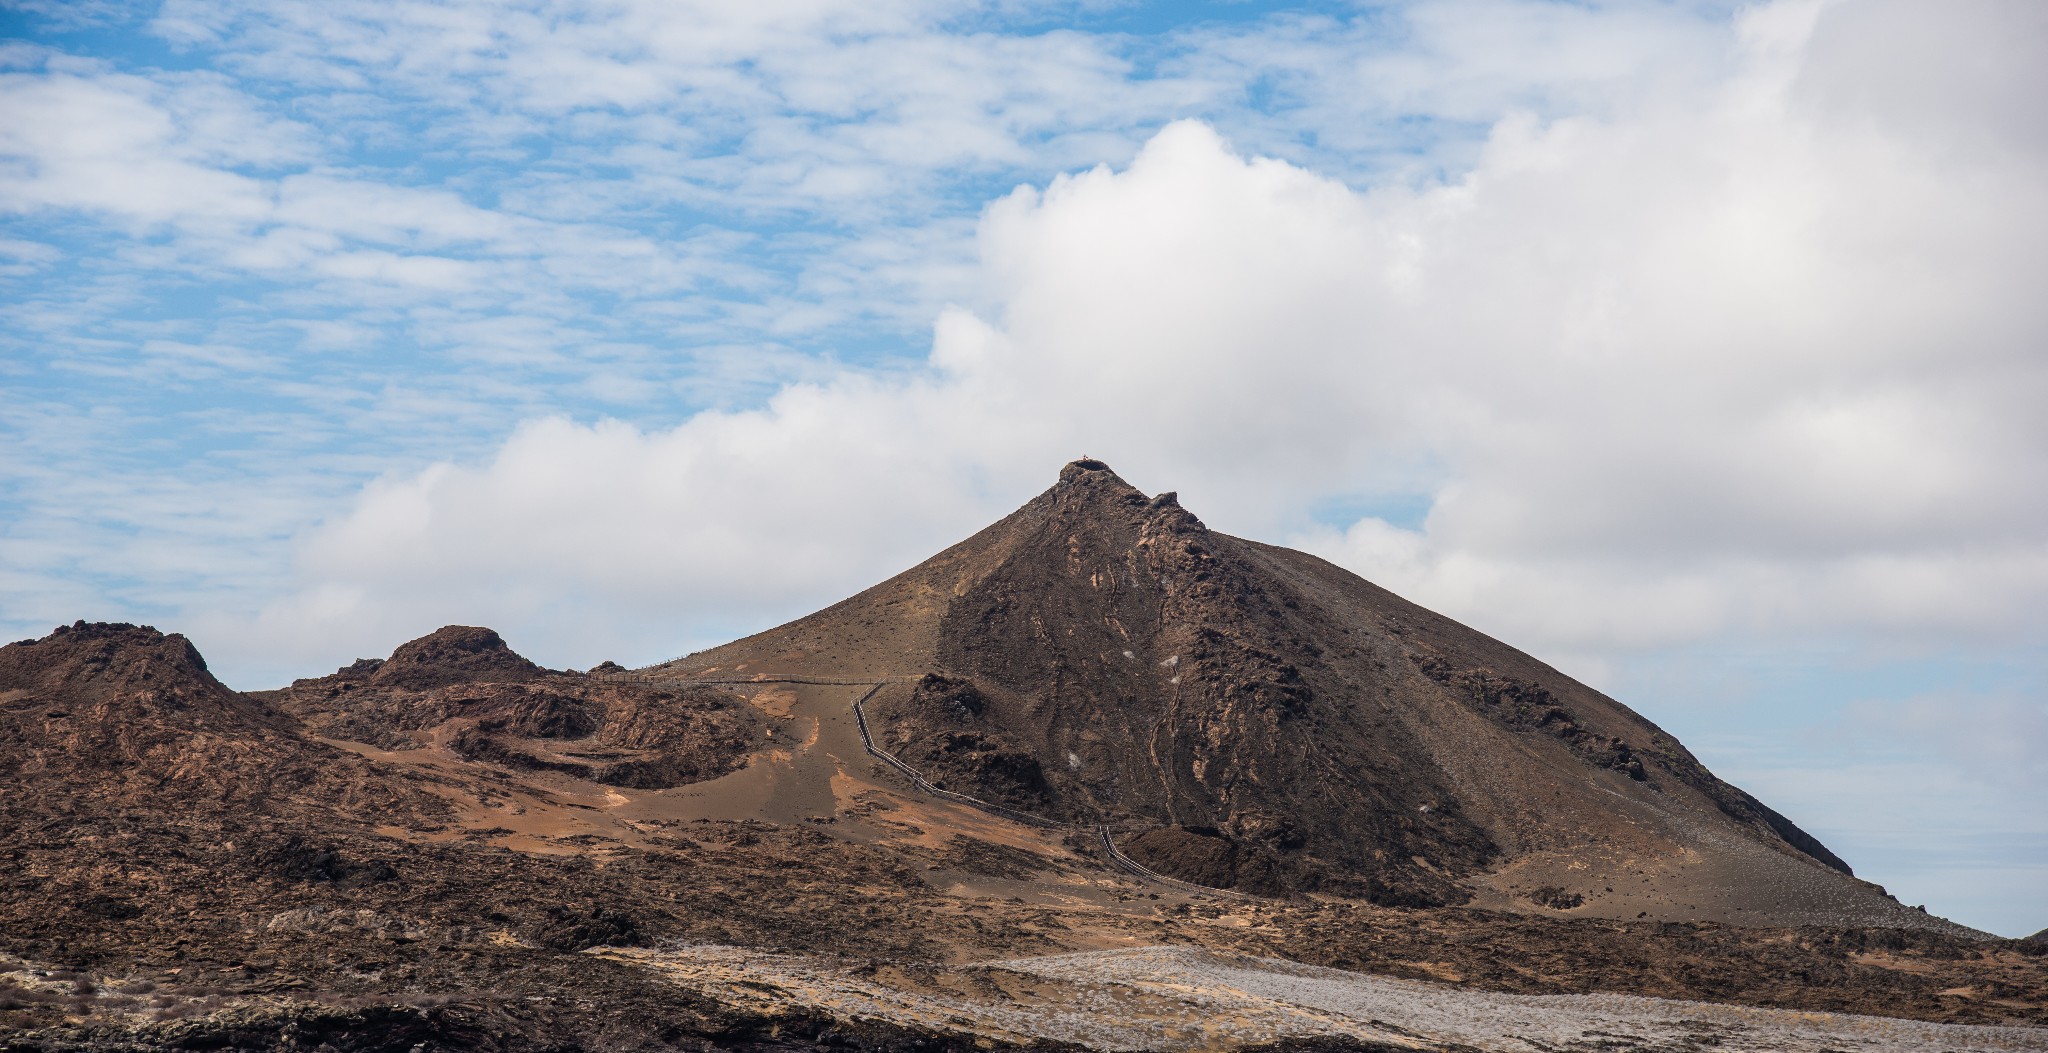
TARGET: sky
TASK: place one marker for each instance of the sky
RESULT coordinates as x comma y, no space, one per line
1697,348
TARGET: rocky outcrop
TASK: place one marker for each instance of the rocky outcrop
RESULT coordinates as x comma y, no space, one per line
132,713
100,663
1207,856
462,689
452,654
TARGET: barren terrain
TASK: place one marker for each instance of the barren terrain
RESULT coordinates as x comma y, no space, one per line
1099,804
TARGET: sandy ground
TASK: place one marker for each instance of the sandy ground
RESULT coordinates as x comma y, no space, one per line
1168,998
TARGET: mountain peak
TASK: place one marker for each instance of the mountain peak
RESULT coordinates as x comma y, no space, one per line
1094,480
1090,469
1252,717
1091,487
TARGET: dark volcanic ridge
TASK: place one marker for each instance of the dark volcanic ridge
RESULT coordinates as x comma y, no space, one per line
454,847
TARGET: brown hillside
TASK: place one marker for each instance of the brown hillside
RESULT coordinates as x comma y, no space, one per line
1100,656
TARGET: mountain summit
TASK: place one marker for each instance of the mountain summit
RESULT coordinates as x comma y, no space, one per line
1250,717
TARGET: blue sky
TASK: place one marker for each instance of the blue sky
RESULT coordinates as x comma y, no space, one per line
1694,347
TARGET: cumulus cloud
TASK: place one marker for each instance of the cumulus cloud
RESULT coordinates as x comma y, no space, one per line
1761,357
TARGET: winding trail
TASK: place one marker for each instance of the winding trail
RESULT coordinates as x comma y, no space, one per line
867,741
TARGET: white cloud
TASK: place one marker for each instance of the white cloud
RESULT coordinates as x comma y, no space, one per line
109,143
1741,361
206,181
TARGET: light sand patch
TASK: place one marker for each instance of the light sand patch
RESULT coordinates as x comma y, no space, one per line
1166,998
778,701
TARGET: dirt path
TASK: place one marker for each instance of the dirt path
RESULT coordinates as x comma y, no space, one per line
789,792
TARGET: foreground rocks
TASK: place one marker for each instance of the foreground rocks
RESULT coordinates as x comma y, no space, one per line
204,931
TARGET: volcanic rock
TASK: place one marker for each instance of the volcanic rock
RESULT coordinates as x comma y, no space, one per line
100,663
453,654
130,712
463,690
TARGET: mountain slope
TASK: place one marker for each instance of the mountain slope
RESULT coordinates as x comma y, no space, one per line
1247,716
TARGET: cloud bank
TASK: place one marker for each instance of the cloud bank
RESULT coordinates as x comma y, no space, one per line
1765,359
